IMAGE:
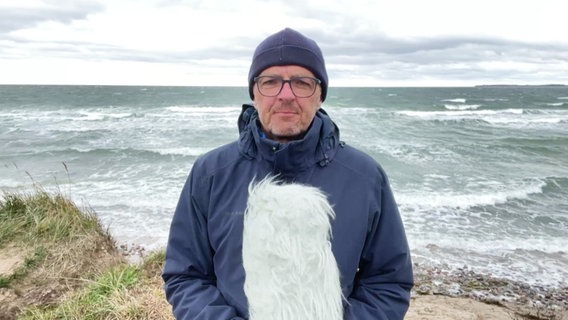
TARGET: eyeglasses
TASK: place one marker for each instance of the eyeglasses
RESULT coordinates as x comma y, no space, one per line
302,87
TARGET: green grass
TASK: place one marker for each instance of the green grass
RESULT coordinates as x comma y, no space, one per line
36,222
41,217
123,292
101,299
70,267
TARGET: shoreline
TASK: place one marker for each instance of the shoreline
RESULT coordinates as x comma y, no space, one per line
457,283
462,294
437,294
465,294
464,282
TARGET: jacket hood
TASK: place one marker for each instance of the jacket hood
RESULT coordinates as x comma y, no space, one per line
319,145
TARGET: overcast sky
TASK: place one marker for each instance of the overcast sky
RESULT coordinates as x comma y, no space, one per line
206,42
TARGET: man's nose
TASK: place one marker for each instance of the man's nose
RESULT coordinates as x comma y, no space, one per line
286,92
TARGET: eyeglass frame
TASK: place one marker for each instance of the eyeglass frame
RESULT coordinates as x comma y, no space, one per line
289,81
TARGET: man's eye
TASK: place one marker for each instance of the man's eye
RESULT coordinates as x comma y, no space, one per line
270,82
301,83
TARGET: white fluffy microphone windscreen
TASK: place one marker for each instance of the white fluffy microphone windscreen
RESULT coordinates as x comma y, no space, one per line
290,270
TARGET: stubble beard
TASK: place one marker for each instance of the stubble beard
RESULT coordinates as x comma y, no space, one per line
285,134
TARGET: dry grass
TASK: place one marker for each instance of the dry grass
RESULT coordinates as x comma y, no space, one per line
69,265
125,291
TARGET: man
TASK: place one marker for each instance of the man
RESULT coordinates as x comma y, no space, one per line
286,134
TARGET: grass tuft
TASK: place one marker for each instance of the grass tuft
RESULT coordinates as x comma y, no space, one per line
69,265
41,217
58,248
122,292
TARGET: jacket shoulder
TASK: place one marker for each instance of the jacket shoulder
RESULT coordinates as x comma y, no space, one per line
216,159
359,162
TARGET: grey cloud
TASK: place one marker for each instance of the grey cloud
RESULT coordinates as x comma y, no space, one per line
450,58
351,50
380,49
97,51
348,41
20,18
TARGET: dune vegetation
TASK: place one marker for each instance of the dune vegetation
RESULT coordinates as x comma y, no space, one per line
58,262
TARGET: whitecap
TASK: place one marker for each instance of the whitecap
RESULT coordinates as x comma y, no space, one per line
495,99
462,106
452,115
458,100
96,116
541,261
490,196
197,109
183,151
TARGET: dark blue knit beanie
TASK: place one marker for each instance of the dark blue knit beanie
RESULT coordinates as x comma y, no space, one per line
288,47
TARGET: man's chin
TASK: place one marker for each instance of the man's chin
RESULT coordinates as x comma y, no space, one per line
286,136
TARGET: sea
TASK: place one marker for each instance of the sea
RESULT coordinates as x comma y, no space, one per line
480,173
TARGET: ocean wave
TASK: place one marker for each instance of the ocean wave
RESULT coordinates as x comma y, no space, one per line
82,130
53,116
197,109
533,116
459,100
184,151
441,115
98,116
539,261
128,152
505,233
341,111
516,117
556,185
503,247
462,106
533,120
495,99
488,196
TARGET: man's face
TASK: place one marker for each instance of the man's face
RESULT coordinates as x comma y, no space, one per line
286,117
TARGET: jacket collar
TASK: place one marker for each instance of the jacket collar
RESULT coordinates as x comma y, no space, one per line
318,147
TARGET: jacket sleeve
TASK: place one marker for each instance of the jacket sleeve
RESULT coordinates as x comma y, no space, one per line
189,277
384,279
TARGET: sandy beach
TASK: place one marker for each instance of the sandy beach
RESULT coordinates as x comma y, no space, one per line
446,308
464,294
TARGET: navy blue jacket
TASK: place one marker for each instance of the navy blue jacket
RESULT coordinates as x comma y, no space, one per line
203,272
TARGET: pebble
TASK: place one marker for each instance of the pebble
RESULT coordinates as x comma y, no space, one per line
464,282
